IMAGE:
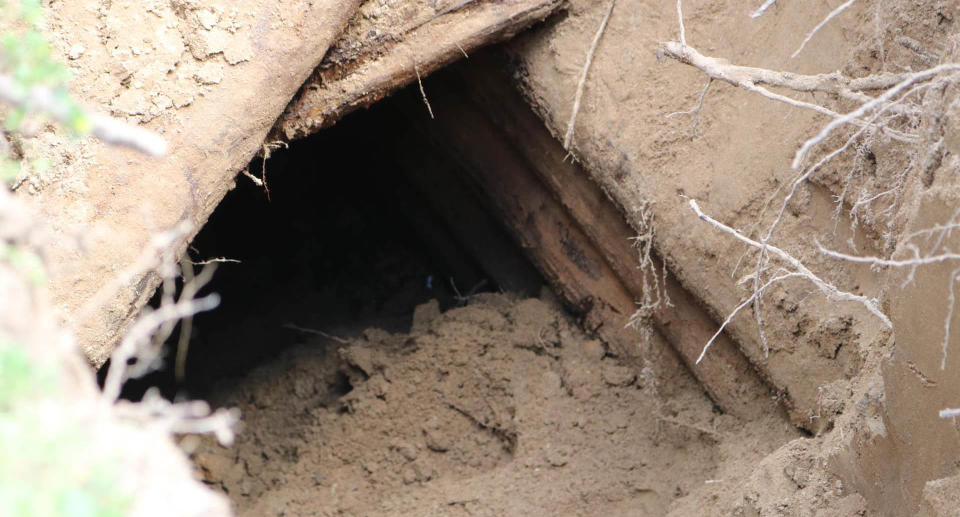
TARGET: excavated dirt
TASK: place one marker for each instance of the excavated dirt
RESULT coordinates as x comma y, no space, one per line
500,407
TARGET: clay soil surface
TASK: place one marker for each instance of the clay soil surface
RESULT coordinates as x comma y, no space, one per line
499,407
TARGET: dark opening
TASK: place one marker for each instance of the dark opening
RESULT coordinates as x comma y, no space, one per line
364,221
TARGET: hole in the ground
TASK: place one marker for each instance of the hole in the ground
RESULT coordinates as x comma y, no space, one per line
378,365
351,237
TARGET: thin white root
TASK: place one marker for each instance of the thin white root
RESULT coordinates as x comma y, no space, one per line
833,14
879,101
423,93
762,9
568,138
696,109
913,263
952,299
949,413
683,30
108,129
256,181
320,333
757,293
831,291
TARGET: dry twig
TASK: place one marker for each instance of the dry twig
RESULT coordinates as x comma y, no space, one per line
797,270
423,93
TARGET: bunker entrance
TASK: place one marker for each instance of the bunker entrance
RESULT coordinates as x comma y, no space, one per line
353,229
389,341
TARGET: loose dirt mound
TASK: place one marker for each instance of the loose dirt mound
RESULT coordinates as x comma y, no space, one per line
501,407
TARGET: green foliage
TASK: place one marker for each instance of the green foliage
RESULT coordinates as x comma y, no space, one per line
48,467
53,462
26,57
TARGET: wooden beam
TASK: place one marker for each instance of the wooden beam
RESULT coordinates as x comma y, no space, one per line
574,235
384,51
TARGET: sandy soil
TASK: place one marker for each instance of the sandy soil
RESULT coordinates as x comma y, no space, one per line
501,407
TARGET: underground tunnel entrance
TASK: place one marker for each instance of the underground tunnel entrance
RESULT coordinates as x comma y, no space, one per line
349,233
392,350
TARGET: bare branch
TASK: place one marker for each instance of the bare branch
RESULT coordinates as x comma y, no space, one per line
750,78
192,417
831,291
110,130
140,332
878,101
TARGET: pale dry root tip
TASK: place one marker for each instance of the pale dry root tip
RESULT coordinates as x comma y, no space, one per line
108,129
581,84
949,413
796,270
316,332
423,93
762,9
833,14
192,417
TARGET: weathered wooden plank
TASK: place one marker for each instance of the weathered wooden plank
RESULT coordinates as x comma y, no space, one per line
384,51
552,241
727,376
471,226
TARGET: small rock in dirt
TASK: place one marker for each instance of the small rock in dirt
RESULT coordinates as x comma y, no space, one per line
437,441
209,73
409,476
359,357
617,375
423,315
594,350
303,386
557,456
75,51
552,383
409,452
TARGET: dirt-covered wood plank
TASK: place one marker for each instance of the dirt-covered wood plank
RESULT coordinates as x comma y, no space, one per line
389,45
728,377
